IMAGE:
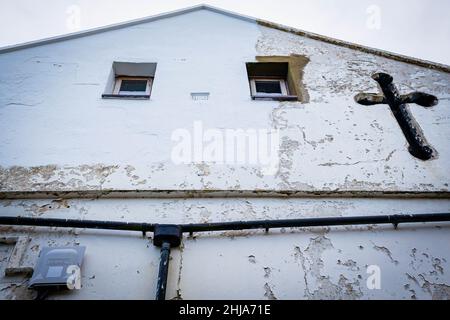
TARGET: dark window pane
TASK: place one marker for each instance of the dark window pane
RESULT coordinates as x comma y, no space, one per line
268,87
133,85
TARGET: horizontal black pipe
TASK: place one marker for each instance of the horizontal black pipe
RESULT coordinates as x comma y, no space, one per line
74,223
316,222
205,227
224,226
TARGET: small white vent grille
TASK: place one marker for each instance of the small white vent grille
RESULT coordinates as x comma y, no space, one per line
200,96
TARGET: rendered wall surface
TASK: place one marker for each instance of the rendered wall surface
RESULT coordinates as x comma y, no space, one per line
59,135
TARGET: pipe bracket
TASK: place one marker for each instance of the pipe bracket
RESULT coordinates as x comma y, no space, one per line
169,233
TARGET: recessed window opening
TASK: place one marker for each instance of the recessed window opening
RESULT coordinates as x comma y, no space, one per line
269,81
277,78
129,80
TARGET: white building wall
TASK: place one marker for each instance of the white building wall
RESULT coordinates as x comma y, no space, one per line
59,135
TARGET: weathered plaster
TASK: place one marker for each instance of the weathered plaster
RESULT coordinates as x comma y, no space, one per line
67,153
330,143
311,263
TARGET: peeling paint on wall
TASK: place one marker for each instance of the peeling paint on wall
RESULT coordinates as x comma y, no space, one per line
66,153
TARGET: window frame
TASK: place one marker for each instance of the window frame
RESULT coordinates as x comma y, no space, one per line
268,70
118,83
285,90
283,85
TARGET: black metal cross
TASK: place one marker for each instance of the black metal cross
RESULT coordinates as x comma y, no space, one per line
418,145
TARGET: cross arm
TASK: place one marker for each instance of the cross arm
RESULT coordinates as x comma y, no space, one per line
420,98
370,99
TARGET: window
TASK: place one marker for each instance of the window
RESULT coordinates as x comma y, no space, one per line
277,78
132,86
268,87
269,81
130,80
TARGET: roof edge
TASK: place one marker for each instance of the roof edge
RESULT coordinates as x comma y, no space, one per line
379,52
382,53
111,27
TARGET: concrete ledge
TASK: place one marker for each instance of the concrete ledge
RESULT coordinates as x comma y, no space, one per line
186,194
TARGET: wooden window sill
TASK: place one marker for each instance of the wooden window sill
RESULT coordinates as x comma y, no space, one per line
127,96
269,97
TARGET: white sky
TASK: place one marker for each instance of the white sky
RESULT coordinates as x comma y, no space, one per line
418,28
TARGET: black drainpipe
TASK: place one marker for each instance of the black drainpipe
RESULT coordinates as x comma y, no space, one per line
167,236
